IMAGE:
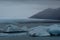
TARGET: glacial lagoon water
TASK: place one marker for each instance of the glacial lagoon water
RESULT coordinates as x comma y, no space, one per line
22,36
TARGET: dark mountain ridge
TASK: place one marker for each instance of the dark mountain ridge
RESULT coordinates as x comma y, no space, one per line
48,14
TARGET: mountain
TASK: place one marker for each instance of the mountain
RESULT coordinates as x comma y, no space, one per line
48,14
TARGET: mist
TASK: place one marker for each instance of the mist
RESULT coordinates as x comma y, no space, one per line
24,9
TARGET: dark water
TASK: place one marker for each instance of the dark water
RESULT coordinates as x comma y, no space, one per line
29,38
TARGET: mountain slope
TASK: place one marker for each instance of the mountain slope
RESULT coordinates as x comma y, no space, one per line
48,14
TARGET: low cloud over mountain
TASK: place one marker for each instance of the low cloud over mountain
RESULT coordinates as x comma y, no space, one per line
48,14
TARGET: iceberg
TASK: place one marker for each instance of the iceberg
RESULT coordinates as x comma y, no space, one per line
54,30
39,31
10,28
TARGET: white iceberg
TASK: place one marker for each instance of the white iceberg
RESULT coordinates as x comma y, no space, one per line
54,29
12,30
39,31
11,27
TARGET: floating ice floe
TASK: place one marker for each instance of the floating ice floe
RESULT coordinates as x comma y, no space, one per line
54,30
13,30
39,31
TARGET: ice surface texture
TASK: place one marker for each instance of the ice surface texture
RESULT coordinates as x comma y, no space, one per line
45,31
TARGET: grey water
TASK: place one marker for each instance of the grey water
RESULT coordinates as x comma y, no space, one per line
24,36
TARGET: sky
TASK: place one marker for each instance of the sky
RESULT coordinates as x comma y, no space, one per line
16,9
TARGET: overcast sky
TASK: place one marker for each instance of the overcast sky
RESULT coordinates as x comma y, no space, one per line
24,9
